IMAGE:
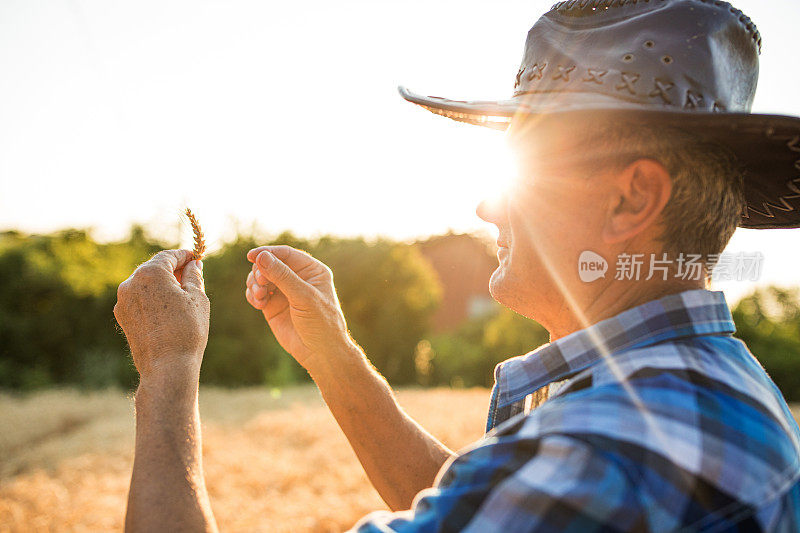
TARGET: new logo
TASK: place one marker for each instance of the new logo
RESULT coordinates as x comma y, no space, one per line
591,266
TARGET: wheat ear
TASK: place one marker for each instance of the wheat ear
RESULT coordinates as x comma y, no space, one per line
199,240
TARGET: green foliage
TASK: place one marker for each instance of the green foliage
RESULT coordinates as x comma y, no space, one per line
389,293
468,356
387,290
57,293
768,321
55,300
241,350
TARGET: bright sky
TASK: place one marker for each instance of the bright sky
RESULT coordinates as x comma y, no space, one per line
282,114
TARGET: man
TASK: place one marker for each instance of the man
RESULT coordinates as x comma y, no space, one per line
636,148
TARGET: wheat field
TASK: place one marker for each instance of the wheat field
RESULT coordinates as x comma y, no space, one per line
275,460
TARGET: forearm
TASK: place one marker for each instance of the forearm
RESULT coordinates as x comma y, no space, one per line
398,455
168,491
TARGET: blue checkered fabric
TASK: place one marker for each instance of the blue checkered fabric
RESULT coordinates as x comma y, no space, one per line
665,423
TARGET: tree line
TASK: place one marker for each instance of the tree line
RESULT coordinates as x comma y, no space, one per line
57,292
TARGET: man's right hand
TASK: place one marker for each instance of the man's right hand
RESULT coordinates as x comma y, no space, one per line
296,294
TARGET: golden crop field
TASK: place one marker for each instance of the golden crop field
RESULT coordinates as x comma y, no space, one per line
274,460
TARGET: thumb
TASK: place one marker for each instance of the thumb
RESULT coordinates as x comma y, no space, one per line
192,276
284,278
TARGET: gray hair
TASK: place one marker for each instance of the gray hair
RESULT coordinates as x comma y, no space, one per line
707,198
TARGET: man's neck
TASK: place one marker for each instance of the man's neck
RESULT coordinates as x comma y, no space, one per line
611,300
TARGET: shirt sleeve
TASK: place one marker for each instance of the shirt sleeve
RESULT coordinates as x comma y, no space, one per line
554,483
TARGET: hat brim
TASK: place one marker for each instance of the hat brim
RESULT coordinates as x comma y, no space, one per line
767,146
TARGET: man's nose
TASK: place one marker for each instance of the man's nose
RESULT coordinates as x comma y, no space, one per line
492,210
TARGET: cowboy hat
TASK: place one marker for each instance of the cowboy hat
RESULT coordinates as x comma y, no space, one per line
688,63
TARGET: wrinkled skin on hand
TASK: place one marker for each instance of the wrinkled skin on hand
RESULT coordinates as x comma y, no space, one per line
164,311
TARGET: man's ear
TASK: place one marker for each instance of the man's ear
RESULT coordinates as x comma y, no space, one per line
640,192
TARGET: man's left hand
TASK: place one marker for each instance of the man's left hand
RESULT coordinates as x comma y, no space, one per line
164,312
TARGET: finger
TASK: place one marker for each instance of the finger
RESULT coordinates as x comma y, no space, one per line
262,292
192,276
255,278
259,277
284,278
291,257
171,260
252,254
281,250
248,294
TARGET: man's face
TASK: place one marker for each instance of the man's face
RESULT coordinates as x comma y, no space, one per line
552,213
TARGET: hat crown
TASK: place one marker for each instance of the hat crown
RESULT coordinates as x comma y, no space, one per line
694,55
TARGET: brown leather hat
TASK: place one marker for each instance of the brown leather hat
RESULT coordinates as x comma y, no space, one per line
688,63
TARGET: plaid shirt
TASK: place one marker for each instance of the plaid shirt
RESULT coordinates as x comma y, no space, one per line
664,423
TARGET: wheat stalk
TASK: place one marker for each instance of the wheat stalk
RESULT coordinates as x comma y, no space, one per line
199,240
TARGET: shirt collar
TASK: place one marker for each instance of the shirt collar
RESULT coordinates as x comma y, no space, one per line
685,314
